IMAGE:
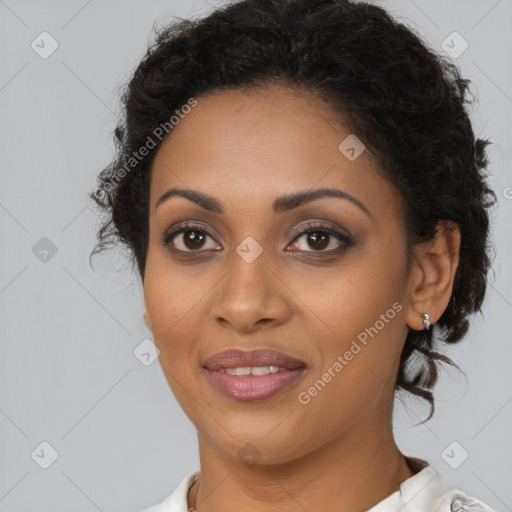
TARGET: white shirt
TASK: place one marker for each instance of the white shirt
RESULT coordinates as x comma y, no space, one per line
426,491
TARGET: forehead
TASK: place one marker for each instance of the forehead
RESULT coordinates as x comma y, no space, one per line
261,143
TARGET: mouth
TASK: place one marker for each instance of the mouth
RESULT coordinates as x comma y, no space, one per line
253,375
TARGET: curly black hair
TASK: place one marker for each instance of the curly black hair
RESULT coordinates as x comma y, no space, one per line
403,100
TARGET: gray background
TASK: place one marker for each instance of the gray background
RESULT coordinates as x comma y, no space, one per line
68,373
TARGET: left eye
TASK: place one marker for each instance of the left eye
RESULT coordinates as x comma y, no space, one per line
320,238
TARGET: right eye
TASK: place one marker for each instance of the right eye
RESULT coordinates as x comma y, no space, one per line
186,237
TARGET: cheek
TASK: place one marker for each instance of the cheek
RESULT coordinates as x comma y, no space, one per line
168,301
170,306
347,299
171,293
359,317
356,372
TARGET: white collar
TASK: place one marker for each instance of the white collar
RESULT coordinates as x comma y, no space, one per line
418,493
425,491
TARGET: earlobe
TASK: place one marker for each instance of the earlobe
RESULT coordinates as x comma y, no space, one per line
431,283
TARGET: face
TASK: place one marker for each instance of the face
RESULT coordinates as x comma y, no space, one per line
236,273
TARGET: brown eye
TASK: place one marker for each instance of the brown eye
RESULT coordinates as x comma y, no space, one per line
187,238
193,239
320,238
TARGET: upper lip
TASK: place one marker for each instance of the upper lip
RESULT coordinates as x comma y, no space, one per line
236,358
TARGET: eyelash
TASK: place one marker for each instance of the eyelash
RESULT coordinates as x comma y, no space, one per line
297,233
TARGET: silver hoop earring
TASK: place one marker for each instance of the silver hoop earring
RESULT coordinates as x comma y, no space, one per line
426,320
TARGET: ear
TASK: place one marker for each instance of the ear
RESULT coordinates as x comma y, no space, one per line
432,274
147,320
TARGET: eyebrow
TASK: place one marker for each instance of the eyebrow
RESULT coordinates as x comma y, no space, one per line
280,204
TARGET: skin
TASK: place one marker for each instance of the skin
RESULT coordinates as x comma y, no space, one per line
245,149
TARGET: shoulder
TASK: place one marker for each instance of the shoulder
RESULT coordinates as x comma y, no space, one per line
177,501
429,491
456,500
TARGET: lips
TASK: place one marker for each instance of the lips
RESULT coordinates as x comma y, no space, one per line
235,358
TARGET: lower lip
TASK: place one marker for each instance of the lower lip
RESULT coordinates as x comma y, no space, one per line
249,388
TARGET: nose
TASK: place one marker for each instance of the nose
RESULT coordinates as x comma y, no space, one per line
250,297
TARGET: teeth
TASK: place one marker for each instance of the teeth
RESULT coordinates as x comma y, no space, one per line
251,370
238,371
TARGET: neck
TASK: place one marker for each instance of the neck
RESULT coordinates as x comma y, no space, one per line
358,470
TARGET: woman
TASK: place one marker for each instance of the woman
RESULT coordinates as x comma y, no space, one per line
302,192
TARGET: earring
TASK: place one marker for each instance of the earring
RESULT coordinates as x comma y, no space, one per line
426,320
